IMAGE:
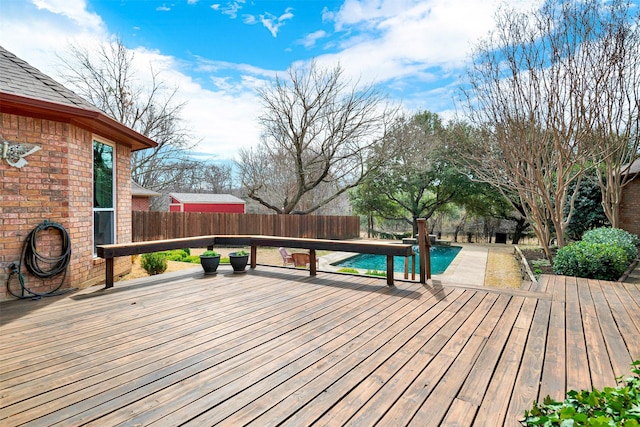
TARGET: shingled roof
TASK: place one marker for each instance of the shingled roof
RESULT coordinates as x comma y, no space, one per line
24,90
206,198
20,78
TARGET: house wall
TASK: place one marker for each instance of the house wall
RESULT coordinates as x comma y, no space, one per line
630,207
57,186
209,207
140,204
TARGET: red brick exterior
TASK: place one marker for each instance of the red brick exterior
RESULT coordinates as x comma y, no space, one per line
140,204
57,185
630,207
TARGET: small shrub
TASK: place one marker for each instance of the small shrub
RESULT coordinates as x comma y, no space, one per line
241,253
210,253
615,236
592,260
225,260
376,273
612,406
348,270
154,263
537,265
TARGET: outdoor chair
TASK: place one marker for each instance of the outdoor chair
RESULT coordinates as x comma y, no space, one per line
302,260
286,257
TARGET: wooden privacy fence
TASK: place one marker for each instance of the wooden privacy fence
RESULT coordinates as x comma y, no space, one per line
174,225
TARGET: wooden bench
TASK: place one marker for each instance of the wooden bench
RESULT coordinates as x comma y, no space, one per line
388,249
110,252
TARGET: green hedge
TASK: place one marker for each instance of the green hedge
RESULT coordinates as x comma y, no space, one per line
592,260
603,253
626,241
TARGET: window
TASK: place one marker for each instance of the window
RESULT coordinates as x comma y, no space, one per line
103,195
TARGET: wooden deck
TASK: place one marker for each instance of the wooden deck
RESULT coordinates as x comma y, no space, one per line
276,346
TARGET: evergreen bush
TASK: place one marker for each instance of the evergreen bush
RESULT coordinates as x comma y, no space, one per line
154,263
602,261
617,237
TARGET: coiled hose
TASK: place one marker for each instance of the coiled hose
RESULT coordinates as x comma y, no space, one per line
35,261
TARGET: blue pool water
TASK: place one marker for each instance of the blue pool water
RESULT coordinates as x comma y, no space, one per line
441,257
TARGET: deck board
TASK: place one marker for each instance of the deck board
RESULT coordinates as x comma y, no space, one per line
277,347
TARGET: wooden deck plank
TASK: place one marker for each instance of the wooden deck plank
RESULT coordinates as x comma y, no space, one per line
494,407
616,346
279,346
600,368
527,385
316,378
554,371
577,377
174,349
418,390
166,375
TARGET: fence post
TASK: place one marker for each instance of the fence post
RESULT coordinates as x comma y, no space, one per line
424,245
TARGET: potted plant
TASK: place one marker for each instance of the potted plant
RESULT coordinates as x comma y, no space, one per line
210,261
239,261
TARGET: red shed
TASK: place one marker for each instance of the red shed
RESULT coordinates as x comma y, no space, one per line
204,202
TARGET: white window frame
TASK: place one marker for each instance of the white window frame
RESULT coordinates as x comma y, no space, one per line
113,193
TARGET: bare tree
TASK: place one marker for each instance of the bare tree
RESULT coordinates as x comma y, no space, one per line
319,132
107,78
615,102
531,85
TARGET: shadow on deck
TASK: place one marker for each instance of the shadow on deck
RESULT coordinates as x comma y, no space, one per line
274,346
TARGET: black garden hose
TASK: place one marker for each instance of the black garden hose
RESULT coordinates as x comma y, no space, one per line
39,265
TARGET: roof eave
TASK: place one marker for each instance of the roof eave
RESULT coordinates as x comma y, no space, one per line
92,120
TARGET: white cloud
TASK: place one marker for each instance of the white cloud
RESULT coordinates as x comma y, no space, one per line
311,39
273,23
72,9
163,8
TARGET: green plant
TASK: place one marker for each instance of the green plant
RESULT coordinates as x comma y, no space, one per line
194,259
176,254
593,260
537,265
154,263
376,273
210,253
225,260
241,253
349,270
615,236
619,406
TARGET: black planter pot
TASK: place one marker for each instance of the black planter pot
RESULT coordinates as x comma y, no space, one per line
210,264
238,262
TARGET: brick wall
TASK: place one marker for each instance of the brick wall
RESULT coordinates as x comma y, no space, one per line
140,204
57,186
630,207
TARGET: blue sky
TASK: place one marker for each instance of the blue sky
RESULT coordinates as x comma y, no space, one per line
218,52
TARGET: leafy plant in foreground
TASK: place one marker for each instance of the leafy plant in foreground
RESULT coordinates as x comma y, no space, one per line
613,406
154,263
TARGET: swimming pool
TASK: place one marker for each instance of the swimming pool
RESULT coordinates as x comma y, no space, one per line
441,257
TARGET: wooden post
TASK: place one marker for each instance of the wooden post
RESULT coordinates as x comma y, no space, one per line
312,262
254,253
425,245
389,270
109,273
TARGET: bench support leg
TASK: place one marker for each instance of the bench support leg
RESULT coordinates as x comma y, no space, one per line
109,273
312,262
390,270
254,253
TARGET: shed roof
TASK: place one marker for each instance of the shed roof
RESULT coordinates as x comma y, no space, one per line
24,90
139,191
206,198
633,169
